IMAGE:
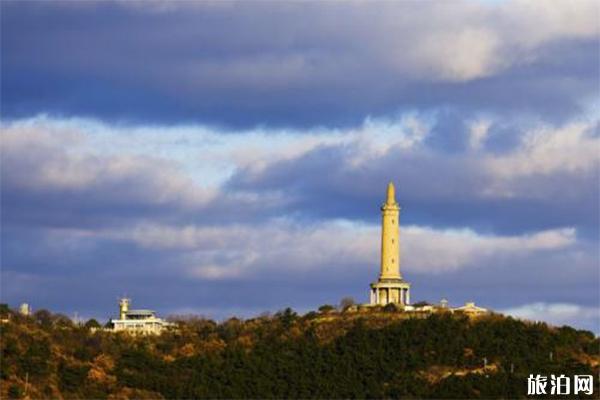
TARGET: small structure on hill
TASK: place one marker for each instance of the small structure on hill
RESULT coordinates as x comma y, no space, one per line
25,309
471,310
144,322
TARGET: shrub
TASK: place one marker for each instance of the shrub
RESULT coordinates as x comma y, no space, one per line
15,392
326,308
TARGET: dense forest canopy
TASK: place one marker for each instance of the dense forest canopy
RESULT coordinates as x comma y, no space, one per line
326,354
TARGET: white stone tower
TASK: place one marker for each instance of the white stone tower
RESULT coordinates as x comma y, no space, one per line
390,287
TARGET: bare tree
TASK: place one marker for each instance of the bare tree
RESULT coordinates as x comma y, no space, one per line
346,302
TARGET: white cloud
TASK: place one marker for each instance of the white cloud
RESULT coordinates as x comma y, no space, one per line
190,167
571,148
431,250
281,247
461,41
214,272
537,22
558,314
460,55
478,132
42,155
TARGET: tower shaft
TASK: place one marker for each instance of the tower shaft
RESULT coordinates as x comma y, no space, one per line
390,237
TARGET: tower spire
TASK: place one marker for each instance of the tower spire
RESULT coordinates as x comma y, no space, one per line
391,194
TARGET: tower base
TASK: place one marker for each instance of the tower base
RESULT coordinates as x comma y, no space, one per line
386,291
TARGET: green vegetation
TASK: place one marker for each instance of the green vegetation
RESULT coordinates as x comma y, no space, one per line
327,354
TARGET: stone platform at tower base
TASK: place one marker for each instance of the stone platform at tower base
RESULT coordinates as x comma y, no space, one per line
390,290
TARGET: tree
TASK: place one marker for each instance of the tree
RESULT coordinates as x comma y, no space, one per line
71,377
311,315
4,310
43,317
62,321
339,356
326,308
35,360
346,302
287,317
92,323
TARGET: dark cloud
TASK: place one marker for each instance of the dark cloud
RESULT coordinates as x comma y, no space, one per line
450,132
503,137
264,65
433,189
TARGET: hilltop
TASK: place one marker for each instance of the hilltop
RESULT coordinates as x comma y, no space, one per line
326,354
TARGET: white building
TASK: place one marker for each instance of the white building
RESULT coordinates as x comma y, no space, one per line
471,310
25,309
137,321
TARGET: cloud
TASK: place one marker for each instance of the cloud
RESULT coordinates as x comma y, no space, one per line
547,180
280,222
435,251
37,159
111,175
42,184
559,314
243,67
54,175
463,41
478,132
286,248
283,262
572,148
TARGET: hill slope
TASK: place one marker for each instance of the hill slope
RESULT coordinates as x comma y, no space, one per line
371,355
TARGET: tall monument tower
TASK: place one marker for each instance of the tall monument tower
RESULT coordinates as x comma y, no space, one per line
390,287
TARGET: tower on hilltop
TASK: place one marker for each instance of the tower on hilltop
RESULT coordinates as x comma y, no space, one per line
390,287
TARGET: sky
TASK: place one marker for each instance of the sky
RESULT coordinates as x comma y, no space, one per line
230,158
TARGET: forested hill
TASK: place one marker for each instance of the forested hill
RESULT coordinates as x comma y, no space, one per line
319,355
